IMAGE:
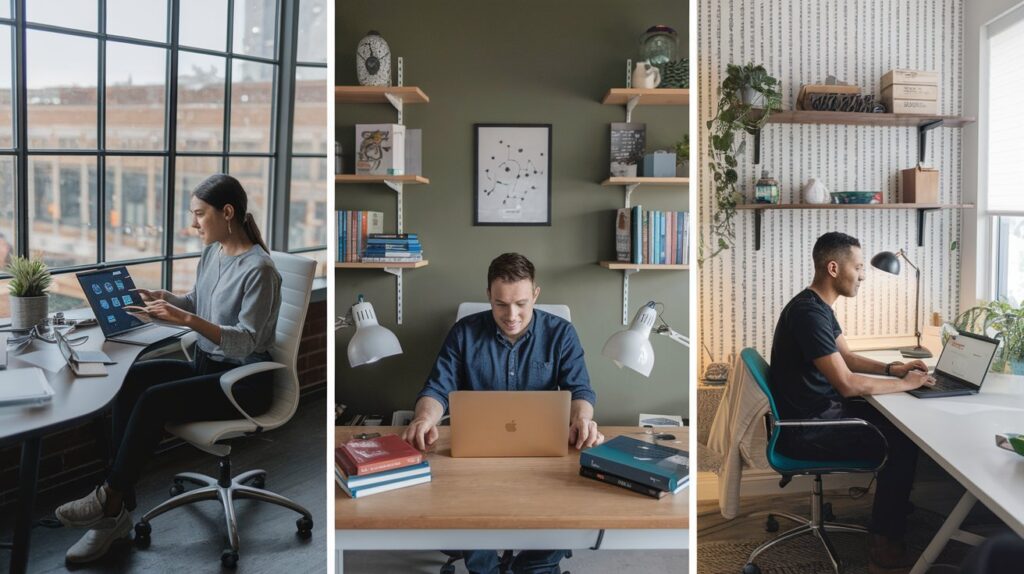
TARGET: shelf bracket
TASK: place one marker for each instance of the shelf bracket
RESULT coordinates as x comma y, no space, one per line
629,194
921,224
625,293
922,138
397,272
758,213
400,212
757,146
398,104
633,102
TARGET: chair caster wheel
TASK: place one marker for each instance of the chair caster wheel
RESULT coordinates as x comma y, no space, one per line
176,489
771,524
305,527
142,532
826,512
448,569
751,569
229,559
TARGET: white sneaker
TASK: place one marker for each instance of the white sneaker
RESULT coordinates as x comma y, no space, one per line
95,543
86,512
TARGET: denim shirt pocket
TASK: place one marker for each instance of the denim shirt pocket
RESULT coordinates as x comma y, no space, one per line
540,377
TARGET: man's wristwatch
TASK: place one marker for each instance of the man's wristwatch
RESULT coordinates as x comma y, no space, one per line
889,366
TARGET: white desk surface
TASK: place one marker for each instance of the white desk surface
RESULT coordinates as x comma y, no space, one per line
74,398
959,434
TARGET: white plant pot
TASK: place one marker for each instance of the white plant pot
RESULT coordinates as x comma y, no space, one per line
753,97
27,312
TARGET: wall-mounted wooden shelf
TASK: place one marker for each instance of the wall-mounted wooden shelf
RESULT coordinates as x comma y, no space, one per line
648,97
406,179
359,265
921,208
379,94
623,266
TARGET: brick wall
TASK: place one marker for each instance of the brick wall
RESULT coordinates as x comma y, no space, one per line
77,453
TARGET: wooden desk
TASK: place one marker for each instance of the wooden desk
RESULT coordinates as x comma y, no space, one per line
532,503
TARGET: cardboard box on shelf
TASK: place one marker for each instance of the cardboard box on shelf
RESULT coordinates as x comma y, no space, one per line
920,185
920,107
911,92
917,77
380,149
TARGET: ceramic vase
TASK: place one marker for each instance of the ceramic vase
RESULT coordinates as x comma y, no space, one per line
373,60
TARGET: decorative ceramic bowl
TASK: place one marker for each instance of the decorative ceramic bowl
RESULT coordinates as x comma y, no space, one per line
859,197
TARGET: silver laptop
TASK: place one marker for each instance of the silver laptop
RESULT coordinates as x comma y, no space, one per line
509,423
962,366
109,291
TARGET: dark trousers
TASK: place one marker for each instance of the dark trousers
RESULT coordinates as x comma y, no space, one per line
162,391
526,562
892,494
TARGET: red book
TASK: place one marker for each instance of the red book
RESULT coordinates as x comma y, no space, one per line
367,456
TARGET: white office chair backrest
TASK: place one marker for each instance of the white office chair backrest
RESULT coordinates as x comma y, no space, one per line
470,308
296,286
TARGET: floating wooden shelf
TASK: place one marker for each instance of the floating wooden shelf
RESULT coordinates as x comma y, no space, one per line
354,265
622,266
866,119
378,94
406,179
921,208
648,97
652,181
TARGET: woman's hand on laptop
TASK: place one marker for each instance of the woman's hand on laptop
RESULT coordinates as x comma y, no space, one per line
583,433
162,311
421,433
152,294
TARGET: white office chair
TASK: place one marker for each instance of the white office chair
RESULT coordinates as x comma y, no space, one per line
470,308
297,280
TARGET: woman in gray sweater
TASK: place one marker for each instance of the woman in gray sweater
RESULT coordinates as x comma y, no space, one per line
233,308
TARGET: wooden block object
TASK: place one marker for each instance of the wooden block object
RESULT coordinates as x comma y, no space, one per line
922,107
920,185
910,77
807,90
911,92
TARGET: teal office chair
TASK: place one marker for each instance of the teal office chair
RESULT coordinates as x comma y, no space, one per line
819,524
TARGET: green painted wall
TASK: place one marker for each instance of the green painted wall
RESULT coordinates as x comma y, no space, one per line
512,62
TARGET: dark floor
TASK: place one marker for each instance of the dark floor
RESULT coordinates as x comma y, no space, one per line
582,562
190,539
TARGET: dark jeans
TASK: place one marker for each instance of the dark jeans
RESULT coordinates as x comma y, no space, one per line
162,391
892,495
526,562
1001,554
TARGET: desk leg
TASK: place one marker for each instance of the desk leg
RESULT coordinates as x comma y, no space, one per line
30,451
339,561
950,529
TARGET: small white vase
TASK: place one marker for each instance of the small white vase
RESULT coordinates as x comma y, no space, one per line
27,312
815,192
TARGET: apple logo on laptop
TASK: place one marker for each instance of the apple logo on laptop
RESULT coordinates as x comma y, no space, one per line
510,426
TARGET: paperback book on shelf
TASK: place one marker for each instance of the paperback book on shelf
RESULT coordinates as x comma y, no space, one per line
652,237
648,464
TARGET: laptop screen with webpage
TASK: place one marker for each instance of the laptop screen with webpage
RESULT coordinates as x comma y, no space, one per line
108,292
967,357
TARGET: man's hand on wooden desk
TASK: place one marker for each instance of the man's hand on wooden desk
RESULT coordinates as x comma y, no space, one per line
422,430
583,431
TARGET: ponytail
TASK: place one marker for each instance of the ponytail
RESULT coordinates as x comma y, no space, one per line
252,231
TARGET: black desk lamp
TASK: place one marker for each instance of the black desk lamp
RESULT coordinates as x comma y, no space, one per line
890,263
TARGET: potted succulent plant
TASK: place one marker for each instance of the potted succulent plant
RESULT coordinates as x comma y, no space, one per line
683,156
746,98
1006,322
29,302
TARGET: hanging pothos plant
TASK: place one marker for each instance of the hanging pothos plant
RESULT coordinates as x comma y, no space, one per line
746,98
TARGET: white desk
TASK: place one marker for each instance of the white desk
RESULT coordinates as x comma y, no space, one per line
959,434
74,401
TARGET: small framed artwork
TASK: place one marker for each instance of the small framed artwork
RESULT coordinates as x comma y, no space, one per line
512,183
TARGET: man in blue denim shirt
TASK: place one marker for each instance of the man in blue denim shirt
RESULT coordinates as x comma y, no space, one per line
512,347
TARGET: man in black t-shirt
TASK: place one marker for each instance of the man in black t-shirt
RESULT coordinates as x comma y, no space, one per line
814,375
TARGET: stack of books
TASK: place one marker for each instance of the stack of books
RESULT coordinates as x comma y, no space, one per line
363,467
392,248
658,237
650,469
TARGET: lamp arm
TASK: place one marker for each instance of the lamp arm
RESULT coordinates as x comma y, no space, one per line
673,334
917,297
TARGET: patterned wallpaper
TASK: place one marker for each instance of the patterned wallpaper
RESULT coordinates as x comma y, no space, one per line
742,291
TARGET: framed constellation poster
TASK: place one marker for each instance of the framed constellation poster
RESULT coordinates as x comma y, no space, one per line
513,174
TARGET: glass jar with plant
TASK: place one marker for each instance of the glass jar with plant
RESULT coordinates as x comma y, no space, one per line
683,156
30,279
1006,321
746,98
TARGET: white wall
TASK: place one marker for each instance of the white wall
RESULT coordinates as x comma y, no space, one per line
977,247
742,291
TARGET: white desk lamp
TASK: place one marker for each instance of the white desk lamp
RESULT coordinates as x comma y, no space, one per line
632,347
371,342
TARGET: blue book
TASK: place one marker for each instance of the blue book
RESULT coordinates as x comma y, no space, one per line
655,465
380,486
361,481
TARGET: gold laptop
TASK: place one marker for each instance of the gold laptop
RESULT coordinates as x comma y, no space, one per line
509,423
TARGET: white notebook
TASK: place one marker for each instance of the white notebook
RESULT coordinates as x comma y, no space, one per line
24,387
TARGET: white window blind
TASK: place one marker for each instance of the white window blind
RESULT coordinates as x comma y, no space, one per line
1006,115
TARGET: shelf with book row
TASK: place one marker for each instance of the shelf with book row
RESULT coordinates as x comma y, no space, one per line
397,97
921,208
